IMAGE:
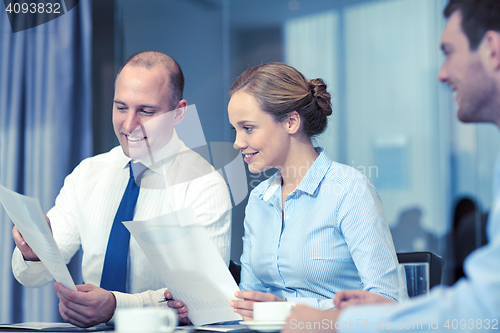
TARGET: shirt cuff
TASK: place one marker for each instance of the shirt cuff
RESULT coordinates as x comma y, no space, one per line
312,302
323,304
326,304
29,273
147,298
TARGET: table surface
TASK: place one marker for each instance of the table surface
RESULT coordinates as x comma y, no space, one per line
64,327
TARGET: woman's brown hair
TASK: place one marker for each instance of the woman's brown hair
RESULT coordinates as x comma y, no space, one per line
280,89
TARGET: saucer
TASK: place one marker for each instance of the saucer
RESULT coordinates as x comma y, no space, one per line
264,326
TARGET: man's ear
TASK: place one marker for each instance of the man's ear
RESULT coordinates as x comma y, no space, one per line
180,111
292,122
492,48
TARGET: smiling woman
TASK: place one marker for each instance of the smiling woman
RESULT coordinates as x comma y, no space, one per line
284,100
316,226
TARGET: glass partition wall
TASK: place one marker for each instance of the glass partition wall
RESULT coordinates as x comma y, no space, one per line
392,120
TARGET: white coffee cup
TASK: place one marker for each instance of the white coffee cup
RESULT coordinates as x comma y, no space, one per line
272,311
145,320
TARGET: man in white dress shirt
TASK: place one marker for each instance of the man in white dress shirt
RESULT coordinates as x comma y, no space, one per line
471,44
147,105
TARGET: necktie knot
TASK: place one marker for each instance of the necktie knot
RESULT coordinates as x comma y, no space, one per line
137,171
131,171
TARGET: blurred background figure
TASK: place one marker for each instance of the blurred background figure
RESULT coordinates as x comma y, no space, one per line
468,234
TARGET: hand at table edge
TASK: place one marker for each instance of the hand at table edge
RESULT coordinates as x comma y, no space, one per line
179,307
86,307
346,298
249,297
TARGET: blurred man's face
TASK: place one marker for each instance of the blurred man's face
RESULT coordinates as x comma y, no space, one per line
464,71
142,119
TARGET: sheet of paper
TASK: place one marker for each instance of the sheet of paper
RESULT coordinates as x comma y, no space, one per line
27,215
189,264
221,328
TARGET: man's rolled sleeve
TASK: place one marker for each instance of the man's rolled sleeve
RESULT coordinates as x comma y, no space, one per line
31,274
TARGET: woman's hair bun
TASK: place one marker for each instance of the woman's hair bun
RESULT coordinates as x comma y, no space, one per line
280,89
318,89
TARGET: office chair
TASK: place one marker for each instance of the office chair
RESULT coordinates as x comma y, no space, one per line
435,262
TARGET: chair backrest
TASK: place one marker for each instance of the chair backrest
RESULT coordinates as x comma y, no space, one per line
435,262
235,270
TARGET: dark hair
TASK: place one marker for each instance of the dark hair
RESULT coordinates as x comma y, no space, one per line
478,16
150,59
280,89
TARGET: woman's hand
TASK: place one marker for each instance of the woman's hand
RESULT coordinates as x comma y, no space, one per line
179,307
245,307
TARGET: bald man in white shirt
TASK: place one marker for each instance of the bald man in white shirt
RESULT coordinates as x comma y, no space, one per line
147,105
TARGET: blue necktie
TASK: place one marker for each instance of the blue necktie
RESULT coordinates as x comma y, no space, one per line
114,271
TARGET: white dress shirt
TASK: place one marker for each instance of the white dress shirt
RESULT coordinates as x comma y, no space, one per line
87,203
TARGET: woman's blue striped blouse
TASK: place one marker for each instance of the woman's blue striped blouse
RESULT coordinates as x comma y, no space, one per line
332,235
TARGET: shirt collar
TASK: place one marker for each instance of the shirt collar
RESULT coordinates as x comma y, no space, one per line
311,180
164,156
316,172
274,185
496,177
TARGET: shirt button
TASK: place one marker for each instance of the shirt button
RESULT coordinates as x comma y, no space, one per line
286,218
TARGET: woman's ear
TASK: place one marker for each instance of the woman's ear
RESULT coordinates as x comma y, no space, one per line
292,122
180,111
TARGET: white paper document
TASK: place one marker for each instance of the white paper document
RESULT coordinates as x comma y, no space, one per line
27,215
189,264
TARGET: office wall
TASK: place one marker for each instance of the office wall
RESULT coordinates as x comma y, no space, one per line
392,105
392,119
192,35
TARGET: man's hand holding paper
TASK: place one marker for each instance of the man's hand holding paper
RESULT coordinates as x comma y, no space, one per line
34,235
88,306
177,306
26,250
